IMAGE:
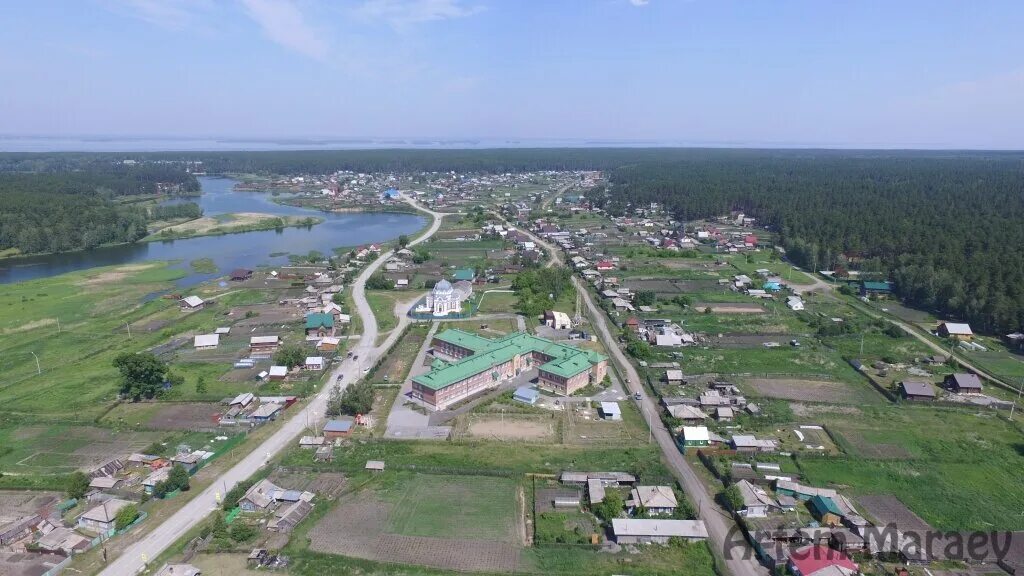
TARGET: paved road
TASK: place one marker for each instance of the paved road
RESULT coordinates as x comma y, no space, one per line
739,558
196,510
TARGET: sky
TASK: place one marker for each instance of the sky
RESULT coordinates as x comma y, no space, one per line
845,73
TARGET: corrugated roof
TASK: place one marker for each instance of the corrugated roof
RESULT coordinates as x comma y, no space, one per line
319,319
677,528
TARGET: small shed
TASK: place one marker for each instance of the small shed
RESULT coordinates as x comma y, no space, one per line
611,411
337,428
192,303
825,510
964,383
206,341
314,363
916,390
375,465
526,395
277,373
240,274
674,376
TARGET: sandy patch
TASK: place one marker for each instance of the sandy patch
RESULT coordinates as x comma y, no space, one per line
115,275
31,325
509,429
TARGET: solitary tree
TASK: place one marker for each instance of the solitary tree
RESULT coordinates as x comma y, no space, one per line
142,374
290,355
403,240
78,485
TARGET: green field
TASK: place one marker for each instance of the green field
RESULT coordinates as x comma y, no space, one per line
476,456
957,469
92,307
463,507
805,360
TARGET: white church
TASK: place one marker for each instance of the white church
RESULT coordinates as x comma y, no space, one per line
445,298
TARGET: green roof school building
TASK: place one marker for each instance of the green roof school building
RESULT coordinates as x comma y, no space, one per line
471,363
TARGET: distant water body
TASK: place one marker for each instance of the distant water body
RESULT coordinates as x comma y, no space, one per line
245,250
157,144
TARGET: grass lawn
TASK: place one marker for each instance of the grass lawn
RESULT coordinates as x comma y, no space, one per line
808,359
382,302
497,302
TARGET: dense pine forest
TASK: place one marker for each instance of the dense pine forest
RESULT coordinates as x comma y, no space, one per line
949,231
54,211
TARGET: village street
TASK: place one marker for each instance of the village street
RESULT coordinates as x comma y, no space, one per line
138,555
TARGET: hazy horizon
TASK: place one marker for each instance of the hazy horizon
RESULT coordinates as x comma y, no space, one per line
697,73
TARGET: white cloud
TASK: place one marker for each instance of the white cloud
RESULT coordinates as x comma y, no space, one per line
171,14
404,13
639,2
283,22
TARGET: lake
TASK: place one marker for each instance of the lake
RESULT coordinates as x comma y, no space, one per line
246,250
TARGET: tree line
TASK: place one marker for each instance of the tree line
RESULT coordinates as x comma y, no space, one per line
63,211
949,230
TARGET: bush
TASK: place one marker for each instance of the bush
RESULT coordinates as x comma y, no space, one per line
235,494
379,282
291,355
125,516
242,532
77,485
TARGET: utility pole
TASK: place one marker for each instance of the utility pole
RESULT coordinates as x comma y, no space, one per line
129,327
38,369
862,344
58,332
1020,388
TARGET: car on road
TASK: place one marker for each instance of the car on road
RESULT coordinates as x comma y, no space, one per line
636,396
339,378
794,343
366,370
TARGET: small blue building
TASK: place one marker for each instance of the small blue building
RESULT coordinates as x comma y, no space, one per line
526,395
772,286
390,194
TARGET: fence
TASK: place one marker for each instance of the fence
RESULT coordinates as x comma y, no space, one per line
101,538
